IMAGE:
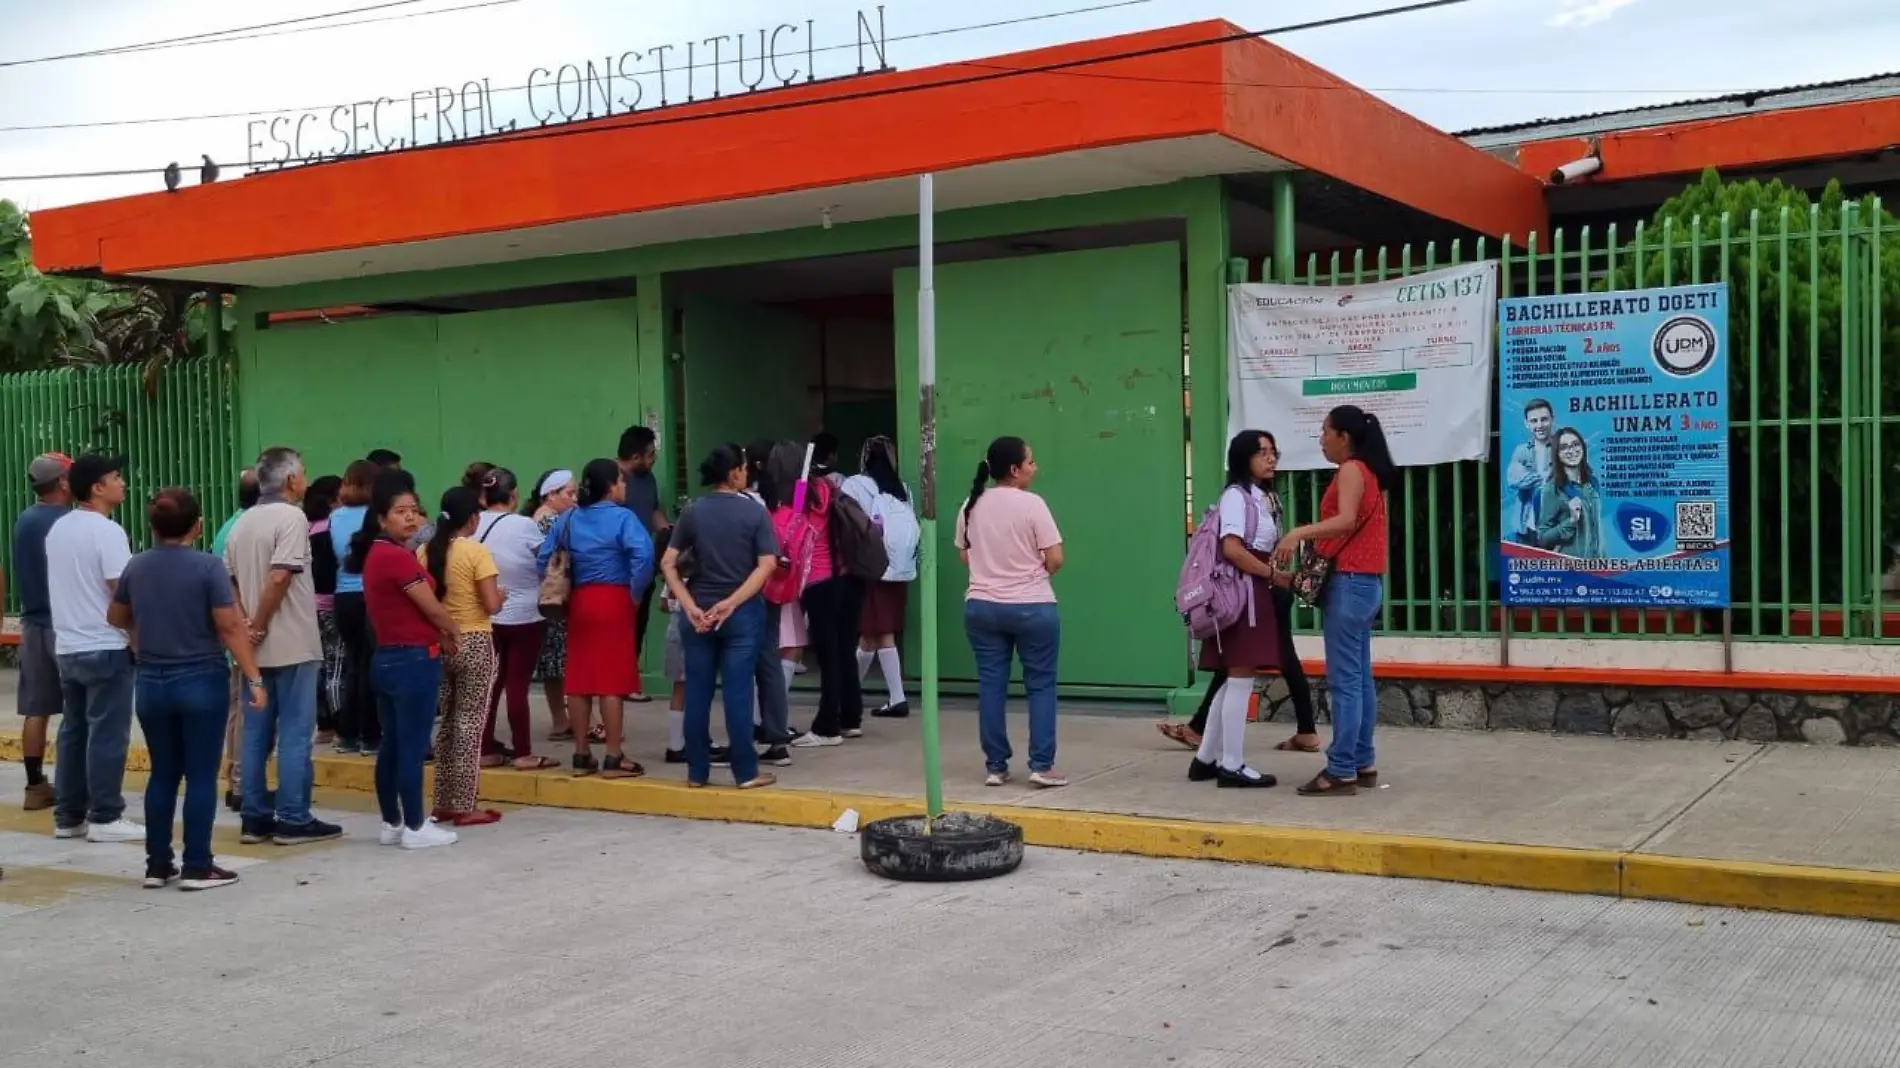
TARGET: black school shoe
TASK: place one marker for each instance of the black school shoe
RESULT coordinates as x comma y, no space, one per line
900,710
1259,780
1201,771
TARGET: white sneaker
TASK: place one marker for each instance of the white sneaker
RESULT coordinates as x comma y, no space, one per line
392,835
1048,779
119,830
809,740
997,778
70,832
854,732
430,836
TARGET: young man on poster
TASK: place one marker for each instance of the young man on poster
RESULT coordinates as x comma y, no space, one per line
1530,468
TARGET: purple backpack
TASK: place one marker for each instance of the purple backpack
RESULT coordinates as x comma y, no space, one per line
1213,594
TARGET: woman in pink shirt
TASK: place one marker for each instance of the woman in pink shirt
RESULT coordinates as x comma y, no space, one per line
1009,541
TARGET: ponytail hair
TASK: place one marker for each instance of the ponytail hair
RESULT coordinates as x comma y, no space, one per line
459,505
1005,455
475,473
597,481
390,486
1362,429
497,487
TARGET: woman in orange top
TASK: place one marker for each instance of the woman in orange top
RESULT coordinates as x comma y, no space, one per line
1351,532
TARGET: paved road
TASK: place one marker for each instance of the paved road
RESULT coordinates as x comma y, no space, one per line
566,938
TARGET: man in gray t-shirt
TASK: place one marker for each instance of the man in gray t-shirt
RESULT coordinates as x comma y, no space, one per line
639,447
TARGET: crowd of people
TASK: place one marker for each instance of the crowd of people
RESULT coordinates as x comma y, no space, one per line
341,611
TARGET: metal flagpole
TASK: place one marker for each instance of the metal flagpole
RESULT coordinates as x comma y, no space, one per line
927,423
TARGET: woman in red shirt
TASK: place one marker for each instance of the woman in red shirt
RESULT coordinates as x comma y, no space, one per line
412,630
1351,532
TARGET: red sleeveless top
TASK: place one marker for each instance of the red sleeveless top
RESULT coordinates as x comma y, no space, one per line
1361,553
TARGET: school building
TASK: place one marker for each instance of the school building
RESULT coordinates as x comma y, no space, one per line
746,266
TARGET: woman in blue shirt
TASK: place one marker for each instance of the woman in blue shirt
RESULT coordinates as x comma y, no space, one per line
610,560
358,730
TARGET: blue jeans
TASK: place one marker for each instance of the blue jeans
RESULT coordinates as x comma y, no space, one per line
728,654
769,678
404,678
1032,633
1352,604
181,708
286,724
95,729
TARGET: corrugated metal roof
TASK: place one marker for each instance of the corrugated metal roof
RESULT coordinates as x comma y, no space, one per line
1870,87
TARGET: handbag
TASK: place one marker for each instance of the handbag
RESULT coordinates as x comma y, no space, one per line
558,584
1312,569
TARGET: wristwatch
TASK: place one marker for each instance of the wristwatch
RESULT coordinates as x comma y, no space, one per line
255,684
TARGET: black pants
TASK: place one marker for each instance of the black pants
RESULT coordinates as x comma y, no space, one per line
1296,685
831,617
356,718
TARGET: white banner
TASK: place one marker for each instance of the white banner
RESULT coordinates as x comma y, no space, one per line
1414,351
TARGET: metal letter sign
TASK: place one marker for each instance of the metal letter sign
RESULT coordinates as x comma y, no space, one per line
593,88
1613,411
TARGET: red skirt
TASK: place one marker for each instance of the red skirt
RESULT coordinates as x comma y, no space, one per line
884,604
1247,645
601,658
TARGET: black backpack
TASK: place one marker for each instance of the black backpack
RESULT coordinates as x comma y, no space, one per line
857,545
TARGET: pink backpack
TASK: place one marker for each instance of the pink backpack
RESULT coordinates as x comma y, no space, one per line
1213,594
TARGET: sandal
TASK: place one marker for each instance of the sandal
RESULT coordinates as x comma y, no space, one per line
585,764
619,766
1322,786
1292,745
476,818
1179,733
541,763
597,734
1369,778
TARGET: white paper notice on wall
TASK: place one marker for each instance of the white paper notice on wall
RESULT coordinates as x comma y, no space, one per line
1415,351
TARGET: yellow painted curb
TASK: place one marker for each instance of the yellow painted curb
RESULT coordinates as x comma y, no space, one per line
1843,892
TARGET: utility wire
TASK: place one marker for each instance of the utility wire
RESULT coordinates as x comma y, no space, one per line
638,120
326,26
707,65
199,38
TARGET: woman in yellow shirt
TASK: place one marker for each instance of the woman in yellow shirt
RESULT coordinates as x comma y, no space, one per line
466,577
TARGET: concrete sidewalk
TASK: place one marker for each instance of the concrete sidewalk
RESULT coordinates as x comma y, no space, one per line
1801,828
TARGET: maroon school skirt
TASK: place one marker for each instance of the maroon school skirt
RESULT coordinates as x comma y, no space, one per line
884,604
600,648
1247,645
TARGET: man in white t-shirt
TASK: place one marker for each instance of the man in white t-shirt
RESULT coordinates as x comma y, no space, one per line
86,552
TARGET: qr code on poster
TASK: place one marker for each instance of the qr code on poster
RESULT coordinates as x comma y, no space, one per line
1695,521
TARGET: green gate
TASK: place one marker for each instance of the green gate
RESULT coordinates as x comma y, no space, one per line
1079,354
180,433
745,372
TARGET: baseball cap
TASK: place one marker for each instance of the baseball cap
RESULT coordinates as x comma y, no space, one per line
47,468
88,470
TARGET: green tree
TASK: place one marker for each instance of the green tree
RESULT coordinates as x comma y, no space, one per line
1800,290
48,321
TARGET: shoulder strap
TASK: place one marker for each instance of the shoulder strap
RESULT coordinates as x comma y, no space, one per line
493,523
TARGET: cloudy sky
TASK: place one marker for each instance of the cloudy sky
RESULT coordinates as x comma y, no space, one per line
1478,63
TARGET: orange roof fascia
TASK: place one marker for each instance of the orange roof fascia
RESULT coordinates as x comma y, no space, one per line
633,165
1791,135
1286,106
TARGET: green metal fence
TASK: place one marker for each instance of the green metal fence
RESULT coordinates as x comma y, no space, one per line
1814,501
180,433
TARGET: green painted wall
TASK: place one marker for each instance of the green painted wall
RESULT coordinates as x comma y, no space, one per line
1080,354
527,388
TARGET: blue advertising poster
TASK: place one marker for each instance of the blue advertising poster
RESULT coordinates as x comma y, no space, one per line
1613,420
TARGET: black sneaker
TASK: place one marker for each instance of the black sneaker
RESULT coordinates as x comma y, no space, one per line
305,833
157,875
258,829
721,756
900,710
207,879
778,756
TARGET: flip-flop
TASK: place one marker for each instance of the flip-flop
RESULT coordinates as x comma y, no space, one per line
540,764
1292,745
